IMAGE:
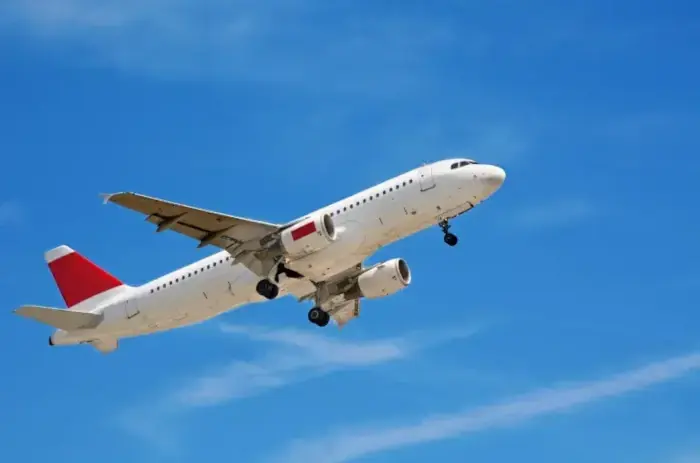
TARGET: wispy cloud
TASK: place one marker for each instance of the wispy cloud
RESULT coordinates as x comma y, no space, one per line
292,356
694,458
557,213
357,442
278,40
10,213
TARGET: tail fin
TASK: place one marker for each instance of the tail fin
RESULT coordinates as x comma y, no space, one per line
77,278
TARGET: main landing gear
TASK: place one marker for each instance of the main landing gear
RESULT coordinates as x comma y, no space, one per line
318,316
268,288
450,239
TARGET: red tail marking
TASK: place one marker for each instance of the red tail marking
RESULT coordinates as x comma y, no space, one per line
304,230
79,279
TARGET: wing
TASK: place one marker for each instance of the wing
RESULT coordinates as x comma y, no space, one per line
344,312
340,310
208,227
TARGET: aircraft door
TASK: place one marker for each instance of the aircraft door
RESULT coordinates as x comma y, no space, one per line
131,307
425,177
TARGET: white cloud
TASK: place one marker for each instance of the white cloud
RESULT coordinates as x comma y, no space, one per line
300,356
293,356
694,458
557,213
353,443
286,41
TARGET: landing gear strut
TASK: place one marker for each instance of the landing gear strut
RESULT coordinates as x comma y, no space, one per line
267,289
318,316
450,239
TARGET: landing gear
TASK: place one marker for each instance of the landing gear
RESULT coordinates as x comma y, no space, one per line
318,316
267,289
450,239
282,269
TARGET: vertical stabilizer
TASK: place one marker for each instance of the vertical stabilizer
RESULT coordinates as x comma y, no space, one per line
77,278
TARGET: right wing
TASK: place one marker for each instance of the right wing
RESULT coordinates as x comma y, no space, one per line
344,312
340,310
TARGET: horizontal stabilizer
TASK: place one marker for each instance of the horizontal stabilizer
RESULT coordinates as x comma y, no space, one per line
67,320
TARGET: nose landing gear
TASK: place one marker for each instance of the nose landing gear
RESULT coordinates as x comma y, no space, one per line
450,239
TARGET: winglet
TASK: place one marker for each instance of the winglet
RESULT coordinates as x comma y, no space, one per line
106,197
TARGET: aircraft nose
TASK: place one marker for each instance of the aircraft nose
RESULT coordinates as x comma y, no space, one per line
493,177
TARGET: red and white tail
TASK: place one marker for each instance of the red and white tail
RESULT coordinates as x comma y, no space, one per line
77,278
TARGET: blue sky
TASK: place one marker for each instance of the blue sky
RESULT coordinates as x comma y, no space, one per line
563,327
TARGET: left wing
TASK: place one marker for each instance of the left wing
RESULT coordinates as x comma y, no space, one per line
208,227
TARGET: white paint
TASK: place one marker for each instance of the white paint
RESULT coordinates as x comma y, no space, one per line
363,223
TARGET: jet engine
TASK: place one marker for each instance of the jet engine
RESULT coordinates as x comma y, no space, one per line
308,236
382,280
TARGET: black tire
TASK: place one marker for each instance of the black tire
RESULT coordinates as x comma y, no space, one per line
324,319
267,289
451,239
318,316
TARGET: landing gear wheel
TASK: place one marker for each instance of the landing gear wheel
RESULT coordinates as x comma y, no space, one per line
267,289
318,316
450,239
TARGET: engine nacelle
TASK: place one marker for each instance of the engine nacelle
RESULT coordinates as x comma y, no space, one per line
383,280
308,236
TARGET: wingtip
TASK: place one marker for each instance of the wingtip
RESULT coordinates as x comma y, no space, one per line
106,197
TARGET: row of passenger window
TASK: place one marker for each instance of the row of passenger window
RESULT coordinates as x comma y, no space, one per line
371,197
189,275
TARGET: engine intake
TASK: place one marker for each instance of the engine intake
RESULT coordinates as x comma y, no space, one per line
308,236
383,280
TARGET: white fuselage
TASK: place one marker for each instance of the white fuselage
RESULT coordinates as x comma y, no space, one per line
365,222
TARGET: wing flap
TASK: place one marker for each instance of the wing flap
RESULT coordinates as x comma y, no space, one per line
345,311
67,320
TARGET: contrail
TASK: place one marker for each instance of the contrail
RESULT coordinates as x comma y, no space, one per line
352,443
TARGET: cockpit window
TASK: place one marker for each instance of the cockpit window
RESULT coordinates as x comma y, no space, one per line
463,163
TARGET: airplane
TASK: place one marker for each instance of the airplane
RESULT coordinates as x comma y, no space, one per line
318,257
